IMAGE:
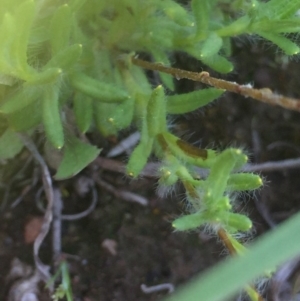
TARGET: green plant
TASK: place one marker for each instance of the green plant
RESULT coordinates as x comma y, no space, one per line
235,273
71,67
64,290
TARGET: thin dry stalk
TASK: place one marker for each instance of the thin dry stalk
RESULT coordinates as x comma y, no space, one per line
265,95
47,183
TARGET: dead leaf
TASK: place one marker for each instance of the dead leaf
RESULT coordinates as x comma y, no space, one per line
32,229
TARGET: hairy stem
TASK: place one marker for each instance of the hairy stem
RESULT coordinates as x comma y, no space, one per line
251,290
264,95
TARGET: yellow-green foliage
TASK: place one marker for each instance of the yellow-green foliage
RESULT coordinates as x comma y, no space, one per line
81,46
73,57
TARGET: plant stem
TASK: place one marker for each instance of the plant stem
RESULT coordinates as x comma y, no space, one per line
224,238
250,289
264,94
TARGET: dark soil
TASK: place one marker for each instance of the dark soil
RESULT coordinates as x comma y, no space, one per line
148,251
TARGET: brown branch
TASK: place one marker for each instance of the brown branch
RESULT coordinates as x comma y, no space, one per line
264,95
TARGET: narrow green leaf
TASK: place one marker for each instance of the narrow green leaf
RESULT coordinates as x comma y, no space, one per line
277,26
103,125
282,42
188,102
51,117
156,112
7,32
235,221
20,99
60,29
235,273
224,163
188,222
167,80
83,110
66,58
201,11
121,116
111,117
176,12
278,9
211,45
218,63
47,76
243,181
27,118
141,153
185,151
235,28
24,17
101,91
136,80
139,158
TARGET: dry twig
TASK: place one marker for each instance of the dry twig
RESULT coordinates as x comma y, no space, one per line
73,217
157,288
56,227
264,95
124,145
47,183
69,217
122,194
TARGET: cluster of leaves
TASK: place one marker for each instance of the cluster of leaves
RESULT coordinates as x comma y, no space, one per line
64,290
55,54
65,67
